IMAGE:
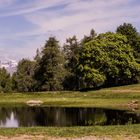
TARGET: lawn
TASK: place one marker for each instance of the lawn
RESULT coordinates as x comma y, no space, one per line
117,97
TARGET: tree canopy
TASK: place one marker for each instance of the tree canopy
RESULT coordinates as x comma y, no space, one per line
71,54
23,78
5,81
49,73
108,59
132,35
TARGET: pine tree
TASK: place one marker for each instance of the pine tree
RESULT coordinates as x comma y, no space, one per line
71,53
5,81
22,79
50,71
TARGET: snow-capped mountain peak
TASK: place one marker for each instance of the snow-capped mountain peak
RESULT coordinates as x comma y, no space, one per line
10,65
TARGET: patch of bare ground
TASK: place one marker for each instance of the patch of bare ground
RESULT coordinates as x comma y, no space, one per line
40,137
124,90
22,137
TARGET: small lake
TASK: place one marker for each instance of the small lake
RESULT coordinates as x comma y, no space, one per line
59,116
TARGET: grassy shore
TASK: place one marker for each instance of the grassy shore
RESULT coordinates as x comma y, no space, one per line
74,131
117,97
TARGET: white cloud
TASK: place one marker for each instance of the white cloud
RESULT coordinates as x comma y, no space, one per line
76,18
29,7
80,16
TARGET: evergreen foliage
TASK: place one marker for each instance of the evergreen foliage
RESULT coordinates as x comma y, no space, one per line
107,59
71,54
5,81
49,73
22,79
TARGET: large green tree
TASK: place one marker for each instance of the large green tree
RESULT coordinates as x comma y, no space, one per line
71,51
22,79
132,35
108,59
5,81
50,72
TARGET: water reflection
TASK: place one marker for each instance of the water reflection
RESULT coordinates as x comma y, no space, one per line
55,116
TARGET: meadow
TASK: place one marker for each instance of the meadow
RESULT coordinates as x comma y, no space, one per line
113,98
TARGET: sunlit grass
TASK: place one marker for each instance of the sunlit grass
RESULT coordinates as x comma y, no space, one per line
116,97
130,130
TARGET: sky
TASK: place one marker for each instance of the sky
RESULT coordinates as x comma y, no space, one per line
25,25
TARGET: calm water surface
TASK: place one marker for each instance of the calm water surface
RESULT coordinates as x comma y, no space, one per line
57,116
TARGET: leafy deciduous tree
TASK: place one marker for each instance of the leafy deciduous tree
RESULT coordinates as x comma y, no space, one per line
107,59
132,35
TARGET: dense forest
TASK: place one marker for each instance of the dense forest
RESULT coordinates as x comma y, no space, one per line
96,61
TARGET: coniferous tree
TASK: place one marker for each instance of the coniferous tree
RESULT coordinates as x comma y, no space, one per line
22,79
5,81
71,53
49,73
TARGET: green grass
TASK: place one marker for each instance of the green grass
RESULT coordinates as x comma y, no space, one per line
132,130
117,97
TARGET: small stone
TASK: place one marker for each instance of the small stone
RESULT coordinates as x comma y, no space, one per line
34,102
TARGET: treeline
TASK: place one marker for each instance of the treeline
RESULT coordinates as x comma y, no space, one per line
107,59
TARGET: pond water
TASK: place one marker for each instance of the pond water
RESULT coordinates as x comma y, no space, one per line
58,116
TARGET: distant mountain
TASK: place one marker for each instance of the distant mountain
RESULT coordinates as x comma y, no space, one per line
10,66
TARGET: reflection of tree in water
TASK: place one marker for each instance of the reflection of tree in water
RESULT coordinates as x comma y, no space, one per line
89,116
121,117
5,113
55,116
25,116
37,116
